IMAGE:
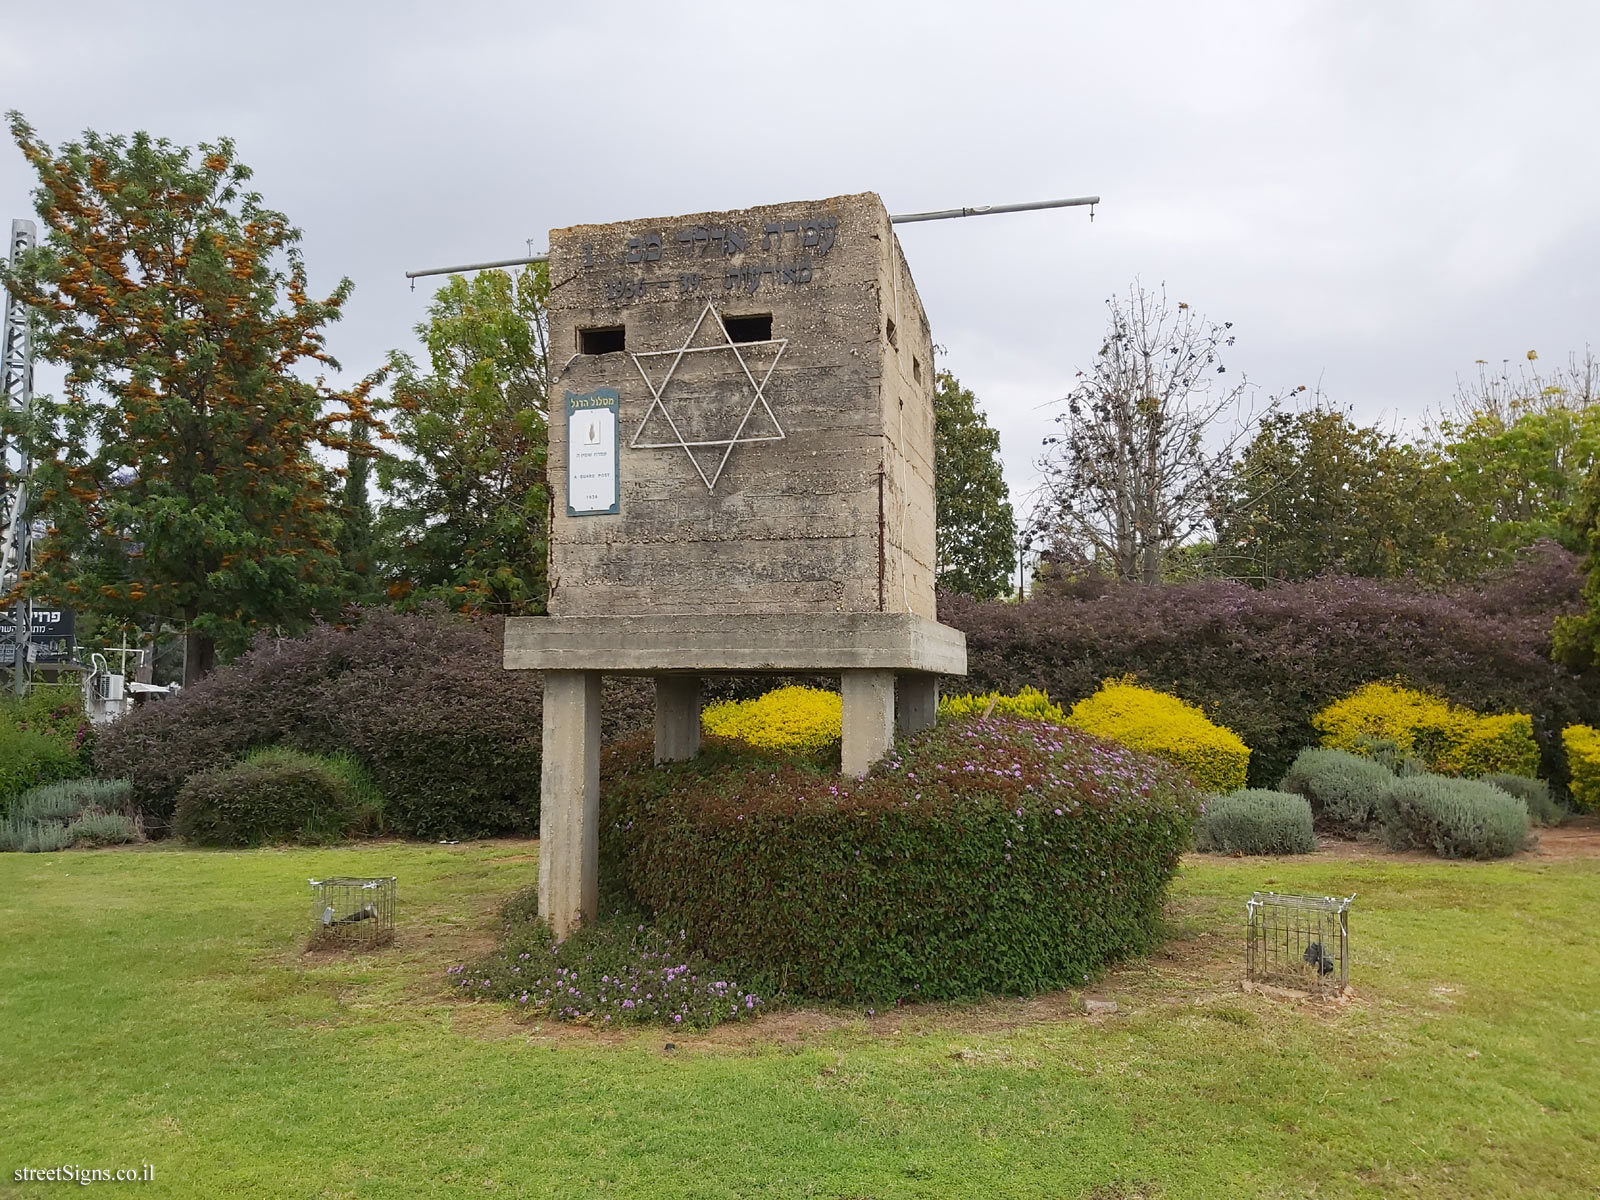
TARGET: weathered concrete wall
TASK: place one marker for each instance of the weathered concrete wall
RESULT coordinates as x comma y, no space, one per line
907,414
835,517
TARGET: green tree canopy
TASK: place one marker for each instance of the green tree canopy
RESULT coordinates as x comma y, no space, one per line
466,516
1523,479
1314,492
976,529
176,473
1576,638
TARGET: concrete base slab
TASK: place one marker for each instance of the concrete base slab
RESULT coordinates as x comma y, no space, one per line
737,642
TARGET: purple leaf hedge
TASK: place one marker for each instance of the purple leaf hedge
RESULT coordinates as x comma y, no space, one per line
1263,660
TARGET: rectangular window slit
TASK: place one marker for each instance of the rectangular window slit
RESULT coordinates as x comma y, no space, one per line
888,332
916,369
604,339
757,327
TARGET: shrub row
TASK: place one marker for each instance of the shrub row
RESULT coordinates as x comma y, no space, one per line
998,855
1457,818
28,759
451,738
1167,727
1028,702
1343,788
1263,660
1535,793
277,794
1450,738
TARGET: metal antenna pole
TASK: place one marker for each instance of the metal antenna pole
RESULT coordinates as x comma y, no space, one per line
984,210
987,210
16,390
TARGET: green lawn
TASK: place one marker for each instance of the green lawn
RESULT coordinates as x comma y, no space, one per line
155,1007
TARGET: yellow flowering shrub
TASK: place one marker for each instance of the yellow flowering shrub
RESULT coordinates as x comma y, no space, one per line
1501,743
1451,738
1029,702
789,720
1170,728
1582,743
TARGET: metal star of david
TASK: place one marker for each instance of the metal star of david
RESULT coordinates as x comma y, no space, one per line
758,396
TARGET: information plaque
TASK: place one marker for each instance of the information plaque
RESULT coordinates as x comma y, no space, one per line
593,445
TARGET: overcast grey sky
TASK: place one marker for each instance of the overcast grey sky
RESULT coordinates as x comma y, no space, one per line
1376,194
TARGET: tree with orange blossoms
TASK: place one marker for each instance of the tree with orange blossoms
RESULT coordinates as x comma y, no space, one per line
176,473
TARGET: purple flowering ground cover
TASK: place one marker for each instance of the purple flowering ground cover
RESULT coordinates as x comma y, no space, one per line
616,972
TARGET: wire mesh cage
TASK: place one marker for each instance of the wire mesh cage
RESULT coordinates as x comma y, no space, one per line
350,912
1299,942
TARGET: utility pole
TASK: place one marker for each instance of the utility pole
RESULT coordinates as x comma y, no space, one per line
16,400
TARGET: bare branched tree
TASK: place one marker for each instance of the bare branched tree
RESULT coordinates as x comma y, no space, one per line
1146,438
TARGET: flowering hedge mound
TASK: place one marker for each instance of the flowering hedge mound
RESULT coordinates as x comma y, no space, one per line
786,720
996,855
1451,738
1167,727
1582,744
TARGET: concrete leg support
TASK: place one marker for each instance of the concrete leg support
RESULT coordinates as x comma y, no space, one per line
569,800
868,718
916,702
677,717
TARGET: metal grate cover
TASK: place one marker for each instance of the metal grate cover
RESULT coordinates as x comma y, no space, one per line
1299,942
350,912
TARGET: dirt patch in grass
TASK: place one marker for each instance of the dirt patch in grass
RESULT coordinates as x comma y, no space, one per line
1578,838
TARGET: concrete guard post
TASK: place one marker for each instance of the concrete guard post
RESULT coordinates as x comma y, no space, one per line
741,481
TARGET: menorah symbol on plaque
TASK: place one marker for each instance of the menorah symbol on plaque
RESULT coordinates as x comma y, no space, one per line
758,399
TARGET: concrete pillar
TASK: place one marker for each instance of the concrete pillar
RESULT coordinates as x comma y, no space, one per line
868,718
569,800
916,701
677,717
